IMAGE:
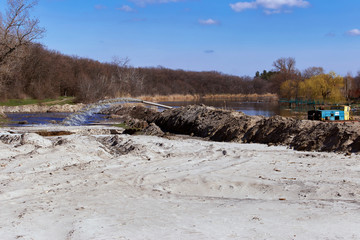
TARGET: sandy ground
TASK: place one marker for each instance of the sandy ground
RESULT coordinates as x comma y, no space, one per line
97,185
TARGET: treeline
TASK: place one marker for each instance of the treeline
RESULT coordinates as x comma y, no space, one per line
164,81
311,84
42,73
325,87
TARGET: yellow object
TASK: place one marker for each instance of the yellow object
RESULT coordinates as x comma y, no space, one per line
346,110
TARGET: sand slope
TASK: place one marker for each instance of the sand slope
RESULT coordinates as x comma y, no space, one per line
94,185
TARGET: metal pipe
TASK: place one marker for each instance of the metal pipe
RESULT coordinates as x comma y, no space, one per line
157,104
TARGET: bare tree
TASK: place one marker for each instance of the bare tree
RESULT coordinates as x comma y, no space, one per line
17,28
285,65
312,71
284,70
128,79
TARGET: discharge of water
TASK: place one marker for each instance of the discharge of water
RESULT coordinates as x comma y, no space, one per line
80,117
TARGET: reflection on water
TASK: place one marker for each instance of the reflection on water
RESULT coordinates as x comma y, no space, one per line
266,109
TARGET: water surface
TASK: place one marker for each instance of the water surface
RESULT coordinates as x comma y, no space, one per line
266,109
26,119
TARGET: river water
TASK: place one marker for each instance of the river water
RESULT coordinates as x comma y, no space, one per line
266,109
26,119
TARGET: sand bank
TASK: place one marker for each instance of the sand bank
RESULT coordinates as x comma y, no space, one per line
94,184
33,108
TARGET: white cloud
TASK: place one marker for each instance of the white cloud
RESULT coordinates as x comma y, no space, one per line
277,4
354,32
270,6
126,8
143,3
240,6
208,22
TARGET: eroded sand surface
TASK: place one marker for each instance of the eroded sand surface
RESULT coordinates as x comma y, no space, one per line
96,185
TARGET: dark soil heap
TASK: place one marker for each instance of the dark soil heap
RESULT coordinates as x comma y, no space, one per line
225,125
207,122
231,126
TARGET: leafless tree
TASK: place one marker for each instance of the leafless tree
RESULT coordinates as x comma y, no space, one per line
312,71
17,28
285,65
284,70
17,31
127,79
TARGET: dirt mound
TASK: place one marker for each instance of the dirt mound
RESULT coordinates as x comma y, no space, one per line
24,138
207,122
117,145
133,111
134,116
337,137
306,135
224,125
276,130
153,130
10,138
35,139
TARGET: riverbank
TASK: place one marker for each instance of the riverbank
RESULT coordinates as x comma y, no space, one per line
95,183
33,108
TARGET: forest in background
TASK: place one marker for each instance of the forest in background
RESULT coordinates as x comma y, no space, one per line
30,70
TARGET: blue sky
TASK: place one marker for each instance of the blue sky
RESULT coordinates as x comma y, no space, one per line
233,37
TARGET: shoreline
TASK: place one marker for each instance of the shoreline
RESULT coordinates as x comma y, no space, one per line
34,108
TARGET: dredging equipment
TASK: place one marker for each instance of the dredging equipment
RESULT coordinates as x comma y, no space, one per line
335,113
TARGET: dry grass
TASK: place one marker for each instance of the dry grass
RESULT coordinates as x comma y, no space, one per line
268,97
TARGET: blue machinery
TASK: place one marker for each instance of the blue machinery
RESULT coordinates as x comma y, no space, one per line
335,113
